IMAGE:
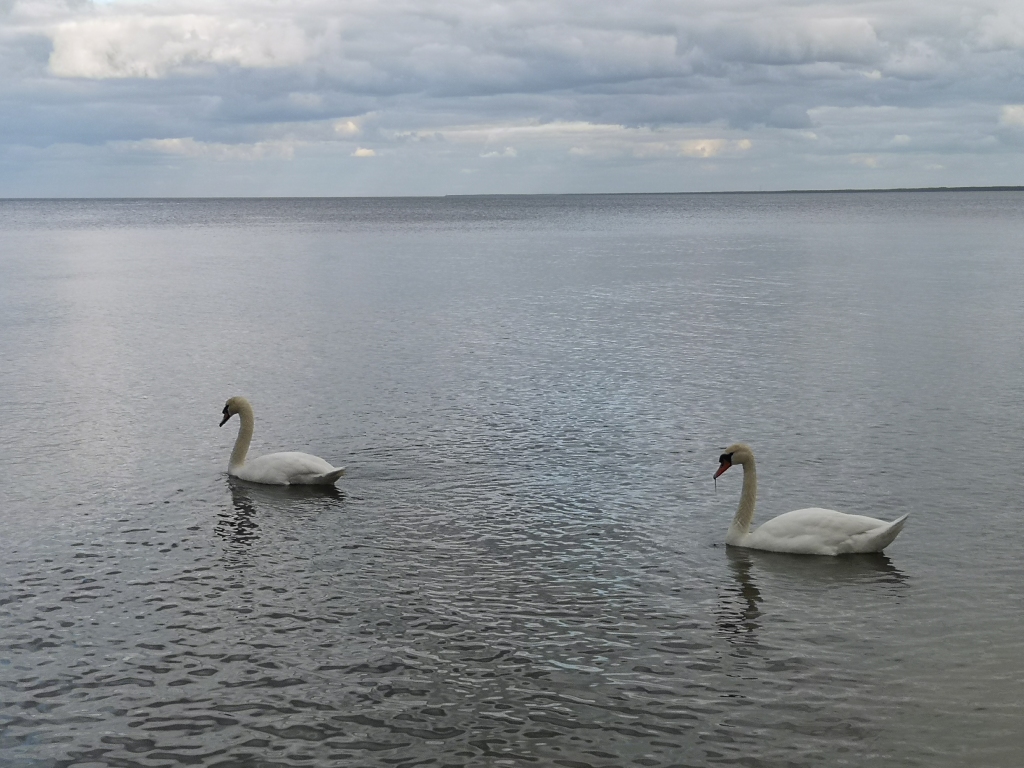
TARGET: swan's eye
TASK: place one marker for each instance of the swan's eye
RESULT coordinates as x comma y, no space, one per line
725,458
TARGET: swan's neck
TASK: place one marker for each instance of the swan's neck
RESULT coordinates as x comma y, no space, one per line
748,498
244,437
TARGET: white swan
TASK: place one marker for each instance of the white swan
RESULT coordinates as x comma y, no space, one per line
288,468
804,531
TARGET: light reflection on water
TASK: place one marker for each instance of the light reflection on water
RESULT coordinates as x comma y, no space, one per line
524,563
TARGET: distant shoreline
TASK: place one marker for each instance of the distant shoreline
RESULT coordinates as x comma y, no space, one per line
846,191
755,192
550,194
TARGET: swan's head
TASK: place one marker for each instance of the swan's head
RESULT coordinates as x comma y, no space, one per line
737,453
231,407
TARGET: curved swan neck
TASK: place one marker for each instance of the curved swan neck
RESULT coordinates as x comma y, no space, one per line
748,498
244,435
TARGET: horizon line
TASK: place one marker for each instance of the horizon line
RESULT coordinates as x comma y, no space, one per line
852,190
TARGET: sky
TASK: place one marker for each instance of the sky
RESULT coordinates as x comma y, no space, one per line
434,97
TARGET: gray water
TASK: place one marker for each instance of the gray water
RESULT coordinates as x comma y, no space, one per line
525,563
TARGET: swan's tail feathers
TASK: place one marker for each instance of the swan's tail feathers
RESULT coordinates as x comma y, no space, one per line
880,538
330,478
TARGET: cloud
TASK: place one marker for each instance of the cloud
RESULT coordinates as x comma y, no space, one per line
787,39
190,148
916,60
364,152
572,85
151,47
585,139
1002,30
867,161
347,128
309,101
1012,115
507,152
713,147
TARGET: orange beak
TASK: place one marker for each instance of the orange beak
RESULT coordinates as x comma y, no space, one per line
724,466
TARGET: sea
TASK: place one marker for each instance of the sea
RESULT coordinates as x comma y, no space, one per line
525,563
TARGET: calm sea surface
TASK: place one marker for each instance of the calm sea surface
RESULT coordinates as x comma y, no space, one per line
525,563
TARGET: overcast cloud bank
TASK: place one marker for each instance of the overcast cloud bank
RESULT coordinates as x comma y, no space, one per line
310,97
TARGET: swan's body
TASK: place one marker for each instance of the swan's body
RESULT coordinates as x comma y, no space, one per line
810,531
288,468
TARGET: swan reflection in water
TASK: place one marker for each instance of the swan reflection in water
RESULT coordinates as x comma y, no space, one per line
239,526
817,572
738,615
738,612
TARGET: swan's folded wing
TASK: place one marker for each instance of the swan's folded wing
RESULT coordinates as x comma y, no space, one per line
287,468
877,539
330,478
817,531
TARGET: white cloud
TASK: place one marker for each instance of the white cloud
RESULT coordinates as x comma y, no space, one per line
1002,30
868,161
582,139
702,147
189,147
364,152
1012,115
347,128
138,46
531,130
713,147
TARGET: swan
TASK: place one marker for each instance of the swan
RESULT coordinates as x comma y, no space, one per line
811,531
288,468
